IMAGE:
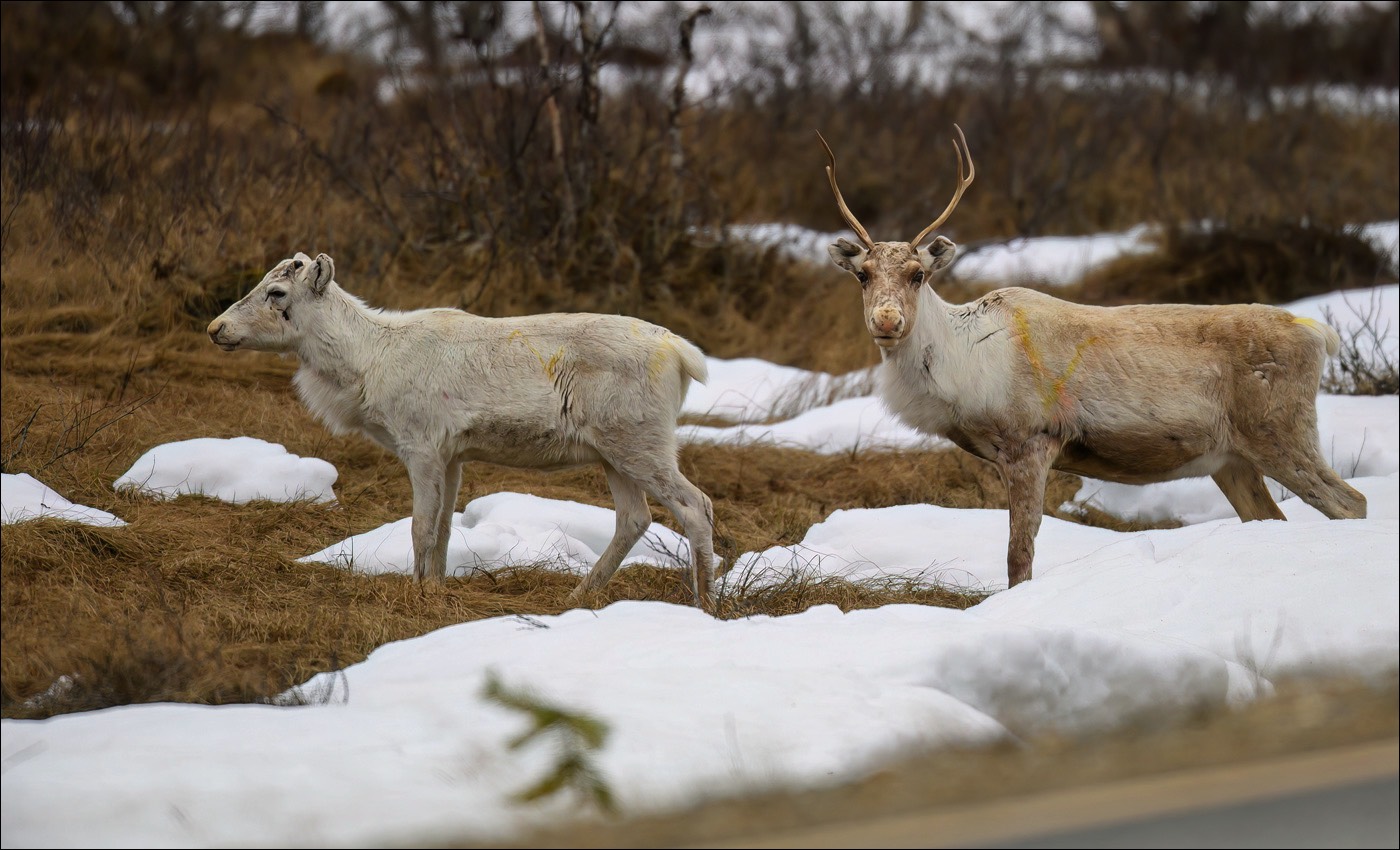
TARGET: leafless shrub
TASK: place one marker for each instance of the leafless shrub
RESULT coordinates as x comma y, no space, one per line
1253,44
80,422
1272,262
1366,363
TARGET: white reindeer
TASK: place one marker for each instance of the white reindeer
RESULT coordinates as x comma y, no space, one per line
1133,394
442,387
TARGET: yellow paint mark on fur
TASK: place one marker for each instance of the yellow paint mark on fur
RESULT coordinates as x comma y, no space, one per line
1023,329
660,355
1311,323
663,352
549,366
553,362
1051,387
1058,388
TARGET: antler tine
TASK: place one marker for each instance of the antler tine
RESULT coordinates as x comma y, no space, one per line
840,201
963,183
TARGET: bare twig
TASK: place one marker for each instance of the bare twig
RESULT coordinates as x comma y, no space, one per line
20,438
1364,364
673,113
339,173
568,211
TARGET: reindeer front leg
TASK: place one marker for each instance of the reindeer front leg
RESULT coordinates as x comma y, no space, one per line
452,482
427,473
1025,468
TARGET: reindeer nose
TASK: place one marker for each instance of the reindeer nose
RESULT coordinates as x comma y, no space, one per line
887,321
214,328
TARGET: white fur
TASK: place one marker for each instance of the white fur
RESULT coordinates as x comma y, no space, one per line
440,387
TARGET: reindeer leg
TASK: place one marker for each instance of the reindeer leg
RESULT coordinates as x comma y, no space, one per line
1289,452
691,508
427,474
1313,481
452,482
1026,469
1244,486
633,519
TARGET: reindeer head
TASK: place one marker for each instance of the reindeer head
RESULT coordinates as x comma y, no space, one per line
266,318
890,273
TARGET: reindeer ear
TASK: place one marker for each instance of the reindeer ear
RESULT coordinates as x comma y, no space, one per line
938,255
322,273
846,254
297,266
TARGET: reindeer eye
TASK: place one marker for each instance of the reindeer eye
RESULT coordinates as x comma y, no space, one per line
863,278
918,277
297,264
276,293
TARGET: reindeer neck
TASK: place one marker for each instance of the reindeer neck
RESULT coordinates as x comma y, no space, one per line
344,339
933,328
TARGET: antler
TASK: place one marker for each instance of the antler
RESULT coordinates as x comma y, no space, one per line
841,202
963,183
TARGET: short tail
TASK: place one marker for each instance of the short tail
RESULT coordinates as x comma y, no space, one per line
1329,336
692,359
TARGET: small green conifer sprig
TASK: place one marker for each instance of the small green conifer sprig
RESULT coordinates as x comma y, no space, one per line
577,736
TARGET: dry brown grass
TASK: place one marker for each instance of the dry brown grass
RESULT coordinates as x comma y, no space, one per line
204,601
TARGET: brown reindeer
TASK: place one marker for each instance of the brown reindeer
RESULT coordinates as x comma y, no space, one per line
1134,394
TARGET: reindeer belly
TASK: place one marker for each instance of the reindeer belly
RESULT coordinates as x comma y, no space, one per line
523,443
1141,461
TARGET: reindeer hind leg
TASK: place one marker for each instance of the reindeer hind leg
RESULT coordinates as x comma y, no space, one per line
1244,486
1310,478
633,519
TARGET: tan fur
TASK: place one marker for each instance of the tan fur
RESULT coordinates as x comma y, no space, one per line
1134,394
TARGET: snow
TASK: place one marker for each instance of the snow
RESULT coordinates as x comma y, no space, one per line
747,389
966,548
404,748
1049,260
237,470
1385,236
507,528
801,243
846,426
23,497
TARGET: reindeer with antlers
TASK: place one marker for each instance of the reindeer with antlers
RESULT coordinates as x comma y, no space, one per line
1134,394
